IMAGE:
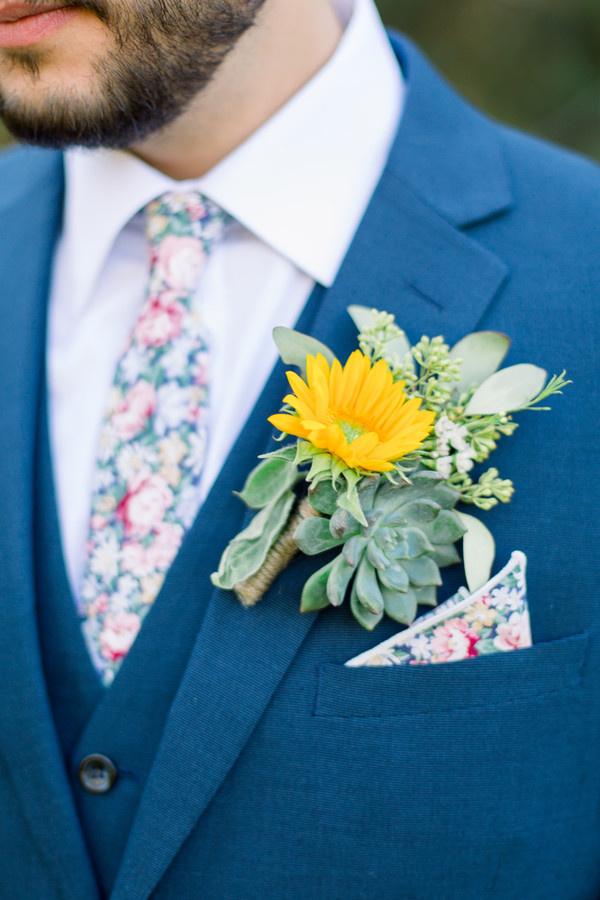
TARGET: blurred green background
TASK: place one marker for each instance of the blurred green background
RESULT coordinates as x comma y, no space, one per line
532,63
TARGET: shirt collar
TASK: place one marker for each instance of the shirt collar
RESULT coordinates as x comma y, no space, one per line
301,183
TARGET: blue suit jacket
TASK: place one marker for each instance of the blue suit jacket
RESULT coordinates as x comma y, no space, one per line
280,773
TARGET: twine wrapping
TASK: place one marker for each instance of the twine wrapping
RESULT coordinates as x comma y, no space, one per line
253,589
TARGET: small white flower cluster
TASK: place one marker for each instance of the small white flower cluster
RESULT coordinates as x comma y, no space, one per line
452,448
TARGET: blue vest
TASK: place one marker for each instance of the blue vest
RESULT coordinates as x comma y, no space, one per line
126,721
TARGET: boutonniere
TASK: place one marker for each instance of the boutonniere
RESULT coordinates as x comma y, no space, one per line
381,459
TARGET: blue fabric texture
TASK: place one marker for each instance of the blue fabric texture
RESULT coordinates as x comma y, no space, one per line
252,763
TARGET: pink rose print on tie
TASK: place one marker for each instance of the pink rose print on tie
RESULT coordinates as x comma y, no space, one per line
196,210
163,549
132,415
118,634
144,505
153,438
161,321
134,560
179,262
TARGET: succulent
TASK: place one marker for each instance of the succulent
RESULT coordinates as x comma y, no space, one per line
391,565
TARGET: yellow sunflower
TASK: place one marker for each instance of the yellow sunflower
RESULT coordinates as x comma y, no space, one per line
355,412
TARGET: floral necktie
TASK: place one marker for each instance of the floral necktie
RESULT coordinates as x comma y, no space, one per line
153,436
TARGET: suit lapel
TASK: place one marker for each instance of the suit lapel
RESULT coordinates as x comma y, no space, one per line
30,217
408,257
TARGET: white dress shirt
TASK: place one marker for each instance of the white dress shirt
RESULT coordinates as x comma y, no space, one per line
297,189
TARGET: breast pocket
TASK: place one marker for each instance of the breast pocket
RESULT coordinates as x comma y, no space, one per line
534,674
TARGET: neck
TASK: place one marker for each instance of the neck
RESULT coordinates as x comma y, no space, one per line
290,42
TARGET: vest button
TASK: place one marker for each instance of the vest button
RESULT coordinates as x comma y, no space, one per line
97,773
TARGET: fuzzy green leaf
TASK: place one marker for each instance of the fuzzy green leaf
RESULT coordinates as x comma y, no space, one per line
288,453
246,553
268,481
482,353
402,607
423,571
320,465
313,536
314,593
294,347
479,551
338,581
507,390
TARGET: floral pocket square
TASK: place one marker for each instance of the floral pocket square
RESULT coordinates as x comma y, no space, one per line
494,619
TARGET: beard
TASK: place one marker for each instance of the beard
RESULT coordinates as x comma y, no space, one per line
163,53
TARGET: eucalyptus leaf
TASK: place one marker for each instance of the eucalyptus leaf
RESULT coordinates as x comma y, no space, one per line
314,592
363,616
482,353
402,607
247,552
294,347
507,390
268,481
364,317
313,536
339,578
479,551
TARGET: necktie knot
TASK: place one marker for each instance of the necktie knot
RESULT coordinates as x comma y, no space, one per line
182,228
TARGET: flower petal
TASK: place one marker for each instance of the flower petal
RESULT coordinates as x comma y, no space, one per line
288,424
